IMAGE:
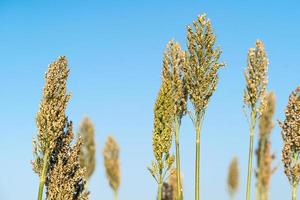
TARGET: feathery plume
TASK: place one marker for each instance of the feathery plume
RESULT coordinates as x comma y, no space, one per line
233,177
254,95
290,130
112,164
201,75
264,157
53,148
87,153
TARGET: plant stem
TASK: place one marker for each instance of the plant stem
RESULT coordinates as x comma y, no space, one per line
197,164
178,175
116,195
252,127
43,176
159,195
294,192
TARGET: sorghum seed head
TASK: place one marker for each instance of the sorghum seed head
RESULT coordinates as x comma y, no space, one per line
87,153
163,120
64,176
233,177
202,63
111,153
290,130
173,62
256,78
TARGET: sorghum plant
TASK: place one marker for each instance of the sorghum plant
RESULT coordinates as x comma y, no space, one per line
290,130
56,160
173,62
201,77
233,177
112,164
264,157
87,153
254,95
162,134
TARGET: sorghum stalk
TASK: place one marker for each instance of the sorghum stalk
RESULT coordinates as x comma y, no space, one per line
179,187
162,131
173,61
290,131
43,176
201,75
112,164
254,96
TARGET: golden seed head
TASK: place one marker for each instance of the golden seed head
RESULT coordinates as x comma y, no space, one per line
233,177
88,148
202,63
256,78
264,157
64,177
173,62
163,121
290,130
112,163
51,119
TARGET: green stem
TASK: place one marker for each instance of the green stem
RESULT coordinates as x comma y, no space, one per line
43,176
250,155
159,195
294,192
178,175
197,164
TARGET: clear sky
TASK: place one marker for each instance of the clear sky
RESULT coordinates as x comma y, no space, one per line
115,51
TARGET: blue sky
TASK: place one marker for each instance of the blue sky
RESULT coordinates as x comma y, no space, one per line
115,50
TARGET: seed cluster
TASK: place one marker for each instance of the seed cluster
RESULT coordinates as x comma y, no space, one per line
200,70
264,157
88,149
291,138
256,78
167,192
112,163
64,176
173,62
233,177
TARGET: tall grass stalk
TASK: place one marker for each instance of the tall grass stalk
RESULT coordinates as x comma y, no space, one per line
254,97
201,76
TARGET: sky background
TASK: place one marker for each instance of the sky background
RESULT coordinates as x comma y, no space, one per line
115,53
